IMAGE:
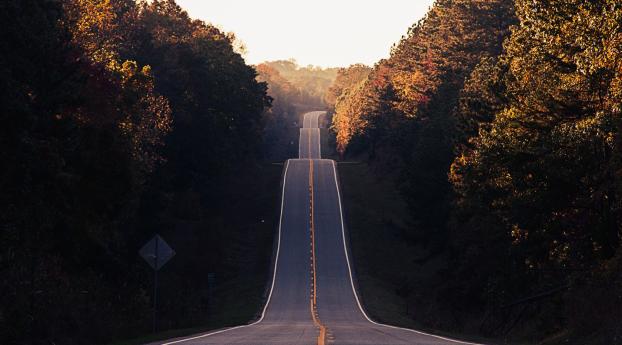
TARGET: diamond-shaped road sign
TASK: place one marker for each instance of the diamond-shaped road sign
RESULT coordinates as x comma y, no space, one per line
156,252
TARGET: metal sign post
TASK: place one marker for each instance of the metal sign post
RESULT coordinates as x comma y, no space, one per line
157,253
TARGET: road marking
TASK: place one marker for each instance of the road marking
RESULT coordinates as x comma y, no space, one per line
314,313
306,130
309,145
345,249
321,339
319,147
319,137
300,143
276,265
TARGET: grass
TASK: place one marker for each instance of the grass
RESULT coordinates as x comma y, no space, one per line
385,263
238,299
373,213
169,334
328,152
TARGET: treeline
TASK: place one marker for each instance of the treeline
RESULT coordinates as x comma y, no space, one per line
294,90
342,97
120,120
310,83
500,122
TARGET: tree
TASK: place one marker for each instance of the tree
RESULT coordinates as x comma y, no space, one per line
416,91
346,78
538,181
114,113
311,82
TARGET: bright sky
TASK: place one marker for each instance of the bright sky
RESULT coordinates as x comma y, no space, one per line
318,32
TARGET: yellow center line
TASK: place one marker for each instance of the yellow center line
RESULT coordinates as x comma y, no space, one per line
309,146
313,301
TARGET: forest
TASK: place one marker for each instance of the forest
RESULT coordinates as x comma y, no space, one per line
122,119
498,122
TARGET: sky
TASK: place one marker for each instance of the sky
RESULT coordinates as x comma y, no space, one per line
327,33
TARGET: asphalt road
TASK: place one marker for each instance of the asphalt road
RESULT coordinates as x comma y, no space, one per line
312,299
309,143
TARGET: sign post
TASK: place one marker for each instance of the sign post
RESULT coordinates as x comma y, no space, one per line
157,253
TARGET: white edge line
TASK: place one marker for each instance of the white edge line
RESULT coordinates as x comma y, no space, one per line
319,145
299,142
319,137
345,249
276,265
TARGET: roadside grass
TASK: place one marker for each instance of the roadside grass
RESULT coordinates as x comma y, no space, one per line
386,264
373,213
239,304
238,299
565,337
327,138
169,334
328,151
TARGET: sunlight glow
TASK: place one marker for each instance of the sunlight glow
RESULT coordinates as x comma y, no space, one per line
318,32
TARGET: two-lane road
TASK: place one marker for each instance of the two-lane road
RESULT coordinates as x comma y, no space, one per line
309,140
312,258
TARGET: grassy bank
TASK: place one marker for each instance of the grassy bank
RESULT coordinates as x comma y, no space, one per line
388,265
242,246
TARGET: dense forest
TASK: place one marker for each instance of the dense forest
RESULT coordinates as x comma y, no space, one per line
121,120
310,83
499,123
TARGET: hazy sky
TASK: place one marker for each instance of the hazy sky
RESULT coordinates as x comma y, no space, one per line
318,32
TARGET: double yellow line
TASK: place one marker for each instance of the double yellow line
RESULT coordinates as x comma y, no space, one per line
321,339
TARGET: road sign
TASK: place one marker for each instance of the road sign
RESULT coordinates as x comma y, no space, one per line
156,252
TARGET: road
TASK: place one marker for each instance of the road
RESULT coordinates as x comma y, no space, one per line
312,299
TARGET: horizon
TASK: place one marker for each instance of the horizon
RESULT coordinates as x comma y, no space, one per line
348,26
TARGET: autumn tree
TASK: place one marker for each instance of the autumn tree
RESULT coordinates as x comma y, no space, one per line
282,115
345,79
312,82
417,89
543,171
